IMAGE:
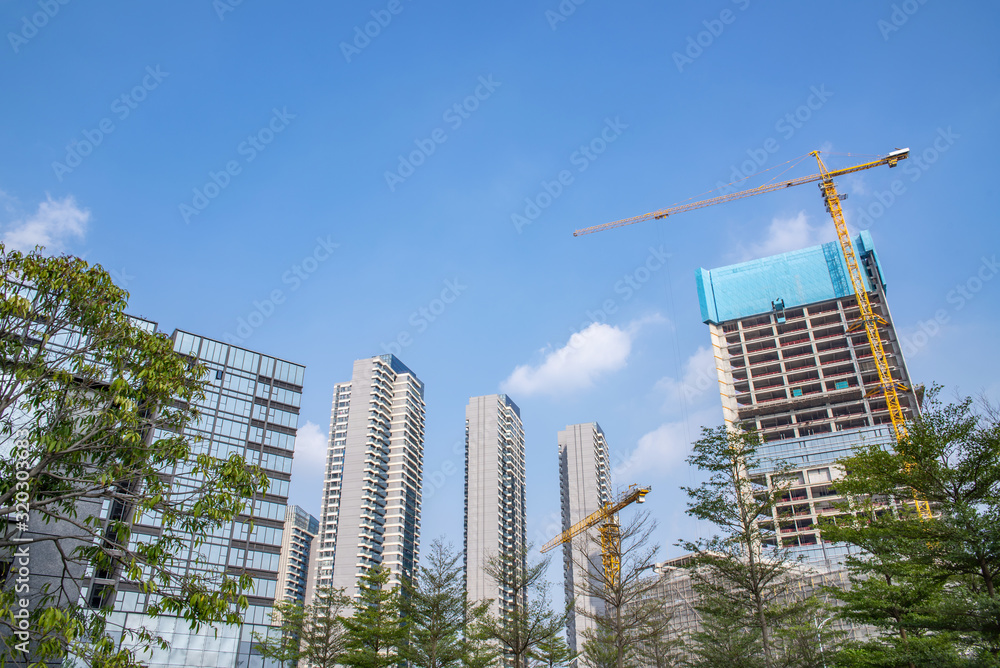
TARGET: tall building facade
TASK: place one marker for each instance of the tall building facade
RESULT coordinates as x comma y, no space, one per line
250,408
585,486
374,473
296,546
792,364
495,525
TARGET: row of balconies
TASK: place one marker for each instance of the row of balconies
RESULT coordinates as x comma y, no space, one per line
848,305
826,339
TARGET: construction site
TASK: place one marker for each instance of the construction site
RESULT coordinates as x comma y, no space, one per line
808,359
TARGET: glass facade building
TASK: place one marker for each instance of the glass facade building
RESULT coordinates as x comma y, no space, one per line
250,408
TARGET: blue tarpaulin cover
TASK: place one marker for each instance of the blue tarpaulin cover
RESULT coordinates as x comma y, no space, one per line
805,276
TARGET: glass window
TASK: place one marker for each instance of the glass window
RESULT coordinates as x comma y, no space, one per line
186,344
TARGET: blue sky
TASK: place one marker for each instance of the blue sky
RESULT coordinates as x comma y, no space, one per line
268,172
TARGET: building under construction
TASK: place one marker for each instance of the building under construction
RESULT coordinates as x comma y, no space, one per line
793,365
675,591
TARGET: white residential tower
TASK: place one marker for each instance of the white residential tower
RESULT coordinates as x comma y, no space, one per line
585,486
494,495
374,472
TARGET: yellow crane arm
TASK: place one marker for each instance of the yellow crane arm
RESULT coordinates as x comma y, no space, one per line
609,510
891,160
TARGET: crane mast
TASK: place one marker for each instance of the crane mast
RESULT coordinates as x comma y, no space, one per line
869,319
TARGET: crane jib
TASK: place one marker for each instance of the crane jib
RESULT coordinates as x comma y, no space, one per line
891,159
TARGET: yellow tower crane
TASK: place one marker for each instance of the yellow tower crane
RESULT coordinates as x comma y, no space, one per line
607,518
869,319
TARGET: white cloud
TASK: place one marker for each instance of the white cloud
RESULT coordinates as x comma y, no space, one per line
310,448
55,224
856,184
700,376
308,467
788,234
662,451
597,350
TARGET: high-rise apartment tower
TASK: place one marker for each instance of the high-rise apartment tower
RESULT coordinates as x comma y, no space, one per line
296,545
374,472
793,364
585,486
494,496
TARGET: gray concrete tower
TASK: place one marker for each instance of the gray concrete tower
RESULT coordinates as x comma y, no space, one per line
585,486
494,495
374,472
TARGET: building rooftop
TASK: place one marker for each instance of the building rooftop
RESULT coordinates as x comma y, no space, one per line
510,402
805,276
395,364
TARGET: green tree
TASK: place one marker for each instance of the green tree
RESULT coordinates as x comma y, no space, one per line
376,634
480,651
553,652
283,642
313,633
434,607
891,594
621,605
93,406
324,636
660,649
727,637
737,576
531,620
806,638
928,584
